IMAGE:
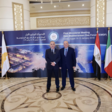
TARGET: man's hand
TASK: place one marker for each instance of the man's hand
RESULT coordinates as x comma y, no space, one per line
53,63
74,67
59,67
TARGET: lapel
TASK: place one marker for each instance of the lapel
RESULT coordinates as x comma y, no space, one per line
63,51
50,50
55,51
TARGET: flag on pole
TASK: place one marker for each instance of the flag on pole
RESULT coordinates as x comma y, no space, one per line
5,60
97,58
108,59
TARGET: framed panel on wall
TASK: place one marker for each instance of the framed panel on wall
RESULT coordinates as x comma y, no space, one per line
63,21
18,16
100,13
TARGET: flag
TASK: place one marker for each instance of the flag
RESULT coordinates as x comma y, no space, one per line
108,60
5,60
97,58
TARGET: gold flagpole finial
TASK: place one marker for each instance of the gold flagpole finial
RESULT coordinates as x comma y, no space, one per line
108,28
97,29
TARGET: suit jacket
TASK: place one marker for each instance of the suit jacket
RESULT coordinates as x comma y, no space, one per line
52,57
69,60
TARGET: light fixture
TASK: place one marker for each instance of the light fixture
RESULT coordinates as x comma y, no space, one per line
41,7
54,6
83,5
68,5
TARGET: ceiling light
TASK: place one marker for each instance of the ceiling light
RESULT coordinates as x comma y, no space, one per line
54,6
83,5
68,5
41,7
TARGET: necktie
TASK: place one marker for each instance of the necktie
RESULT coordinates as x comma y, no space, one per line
52,51
65,52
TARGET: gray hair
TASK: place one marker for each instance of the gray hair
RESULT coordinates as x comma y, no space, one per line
66,41
52,41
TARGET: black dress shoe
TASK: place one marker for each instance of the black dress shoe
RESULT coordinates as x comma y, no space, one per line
73,88
62,88
47,90
57,89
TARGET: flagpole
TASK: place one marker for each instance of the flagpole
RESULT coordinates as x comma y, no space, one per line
108,75
97,29
6,72
97,32
6,76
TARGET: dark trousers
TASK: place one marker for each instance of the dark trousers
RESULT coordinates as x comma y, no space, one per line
56,74
71,76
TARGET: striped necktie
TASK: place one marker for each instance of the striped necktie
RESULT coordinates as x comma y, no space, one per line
65,52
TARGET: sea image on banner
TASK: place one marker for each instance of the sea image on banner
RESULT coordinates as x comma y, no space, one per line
23,59
32,57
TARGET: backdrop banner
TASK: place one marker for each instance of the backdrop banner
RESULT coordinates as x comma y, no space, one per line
0,50
26,50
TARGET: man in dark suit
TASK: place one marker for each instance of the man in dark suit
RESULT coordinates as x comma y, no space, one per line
52,57
67,62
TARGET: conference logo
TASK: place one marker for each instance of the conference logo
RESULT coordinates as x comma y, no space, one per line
53,36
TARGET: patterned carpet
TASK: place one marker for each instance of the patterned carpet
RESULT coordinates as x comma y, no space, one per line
29,95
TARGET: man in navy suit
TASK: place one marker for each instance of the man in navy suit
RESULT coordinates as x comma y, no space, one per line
52,56
67,62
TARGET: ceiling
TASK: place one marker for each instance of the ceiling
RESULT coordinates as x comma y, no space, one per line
53,1
58,5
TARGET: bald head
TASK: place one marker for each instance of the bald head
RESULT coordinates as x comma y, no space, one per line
66,44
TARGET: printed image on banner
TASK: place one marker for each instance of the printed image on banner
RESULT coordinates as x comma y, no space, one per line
53,36
26,58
